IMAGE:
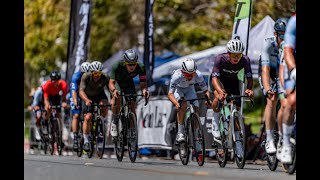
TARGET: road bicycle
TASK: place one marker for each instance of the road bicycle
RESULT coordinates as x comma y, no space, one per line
194,135
96,134
271,159
54,126
127,128
231,122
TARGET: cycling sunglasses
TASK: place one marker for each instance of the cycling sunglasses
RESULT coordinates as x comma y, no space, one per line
188,75
235,55
96,73
131,64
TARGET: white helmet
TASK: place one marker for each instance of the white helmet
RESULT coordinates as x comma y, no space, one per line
189,66
85,67
235,46
96,66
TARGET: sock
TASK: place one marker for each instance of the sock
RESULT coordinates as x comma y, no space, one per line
75,134
270,133
180,128
215,121
85,137
115,118
287,130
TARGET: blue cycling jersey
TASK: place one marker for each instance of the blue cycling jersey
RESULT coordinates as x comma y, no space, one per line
290,34
75,81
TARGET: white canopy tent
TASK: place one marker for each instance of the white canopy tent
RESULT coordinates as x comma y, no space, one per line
205,58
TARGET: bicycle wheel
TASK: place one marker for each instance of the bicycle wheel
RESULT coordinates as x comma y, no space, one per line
183,147
132,137
272,160
92,141
59,136
80,140
291,168
238,122
51,135
221,149
198,139
119,141
44,137
100,131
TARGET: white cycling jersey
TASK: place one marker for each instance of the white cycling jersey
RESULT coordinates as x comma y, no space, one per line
178,80
183,88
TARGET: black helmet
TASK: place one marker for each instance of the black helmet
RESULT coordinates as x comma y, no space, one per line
280,25
55,75
130,56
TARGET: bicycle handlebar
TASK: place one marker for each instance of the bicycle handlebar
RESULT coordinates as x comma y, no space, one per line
132,96
234,97
191,100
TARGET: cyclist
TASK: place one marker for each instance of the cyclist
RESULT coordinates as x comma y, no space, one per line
225,81
182,87
121,79
92,89
54,93
290,87
75,101
270,84
37,108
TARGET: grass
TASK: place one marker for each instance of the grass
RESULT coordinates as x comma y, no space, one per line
254,118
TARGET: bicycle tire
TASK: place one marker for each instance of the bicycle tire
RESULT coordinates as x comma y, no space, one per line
222,158
240,161
119,141
199,137
184,146
59,136
272,160
51,136
44,138
291,168
92,142
100,129
132,137
80,139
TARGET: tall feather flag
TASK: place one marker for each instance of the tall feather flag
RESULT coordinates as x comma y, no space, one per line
148,59
241,29
79,33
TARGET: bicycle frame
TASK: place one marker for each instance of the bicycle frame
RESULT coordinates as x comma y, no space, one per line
127,135
230,142
190,134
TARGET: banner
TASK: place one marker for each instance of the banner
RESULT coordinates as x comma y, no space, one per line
241,29
156,123
242,22
79,32
148,59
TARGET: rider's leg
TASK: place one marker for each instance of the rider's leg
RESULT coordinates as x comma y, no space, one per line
287,125
115,115
37,124
87,126
181,115
283,102
269,117
75,119
216,116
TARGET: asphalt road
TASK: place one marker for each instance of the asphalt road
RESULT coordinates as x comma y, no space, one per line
46,167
